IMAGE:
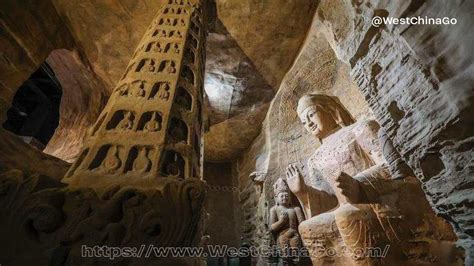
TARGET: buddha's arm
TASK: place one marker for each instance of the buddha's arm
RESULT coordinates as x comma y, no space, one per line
375,182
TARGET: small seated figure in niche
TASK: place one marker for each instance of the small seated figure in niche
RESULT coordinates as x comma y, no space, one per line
164,92
127,122
153,124
168,22
111,161
178,33
173,169
176,48
171,68
182,22
140,90
163,33
142,163
178,131
151,67
157,48
284,220
123,91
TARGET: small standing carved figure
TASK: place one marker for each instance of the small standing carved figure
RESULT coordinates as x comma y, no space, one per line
153,124
127,122
112,161
284,221
142,163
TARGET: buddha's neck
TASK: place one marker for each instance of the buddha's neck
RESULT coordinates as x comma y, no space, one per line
330,133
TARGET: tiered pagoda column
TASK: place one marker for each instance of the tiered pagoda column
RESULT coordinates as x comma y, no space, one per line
151,127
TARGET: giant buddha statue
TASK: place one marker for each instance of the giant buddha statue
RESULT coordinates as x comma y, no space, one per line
357,212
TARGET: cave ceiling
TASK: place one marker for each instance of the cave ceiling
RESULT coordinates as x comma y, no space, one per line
250,47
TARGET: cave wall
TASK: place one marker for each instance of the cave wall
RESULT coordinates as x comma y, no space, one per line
221,204
30,31
84,96
418,82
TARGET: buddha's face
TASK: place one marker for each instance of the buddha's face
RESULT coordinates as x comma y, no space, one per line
317,122
283,199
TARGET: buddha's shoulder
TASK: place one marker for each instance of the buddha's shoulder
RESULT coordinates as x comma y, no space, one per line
365,127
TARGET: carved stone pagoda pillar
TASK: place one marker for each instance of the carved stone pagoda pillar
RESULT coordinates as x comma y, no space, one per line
151,128
138,180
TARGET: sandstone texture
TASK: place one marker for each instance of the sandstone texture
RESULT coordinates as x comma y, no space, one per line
415,81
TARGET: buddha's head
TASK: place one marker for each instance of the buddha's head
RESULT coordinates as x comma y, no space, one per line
322,115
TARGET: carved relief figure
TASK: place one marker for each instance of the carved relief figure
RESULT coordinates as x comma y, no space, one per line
123,91
157,48
176,48
111,161
284,221
153,124
171,68
164,91
151,66
127,122
352,201
140,90
142,163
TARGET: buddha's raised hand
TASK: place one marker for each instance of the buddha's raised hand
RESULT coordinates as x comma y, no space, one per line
295,180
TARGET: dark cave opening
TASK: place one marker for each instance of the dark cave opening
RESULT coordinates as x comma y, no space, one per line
34,113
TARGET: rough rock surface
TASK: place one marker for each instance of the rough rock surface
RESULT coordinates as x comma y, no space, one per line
237,97
248,54
16,154
82,101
